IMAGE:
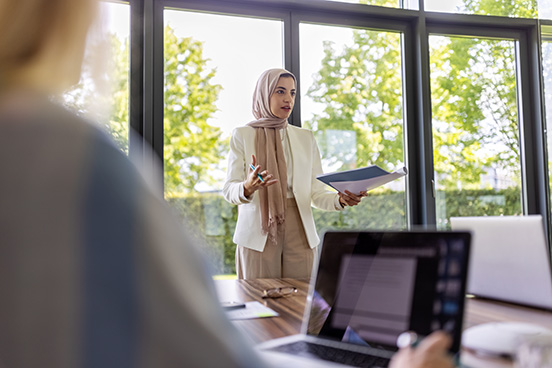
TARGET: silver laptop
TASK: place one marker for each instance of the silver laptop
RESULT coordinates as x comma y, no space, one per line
372,286
509,260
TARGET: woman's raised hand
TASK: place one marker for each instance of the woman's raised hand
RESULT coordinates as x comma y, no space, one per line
257,179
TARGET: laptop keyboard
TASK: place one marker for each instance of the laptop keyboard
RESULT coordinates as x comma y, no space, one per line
303,348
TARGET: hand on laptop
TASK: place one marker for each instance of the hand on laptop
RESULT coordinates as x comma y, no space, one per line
432,352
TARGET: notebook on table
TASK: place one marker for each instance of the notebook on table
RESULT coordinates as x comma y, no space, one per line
509,260
370,287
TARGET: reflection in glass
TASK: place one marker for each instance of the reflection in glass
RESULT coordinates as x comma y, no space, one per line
351,97
475,127
102,93
212,63
547,78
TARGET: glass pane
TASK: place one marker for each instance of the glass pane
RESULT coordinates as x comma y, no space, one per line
406,4
212,63
506,8
351,97
475,127
103,91
547,78
545,9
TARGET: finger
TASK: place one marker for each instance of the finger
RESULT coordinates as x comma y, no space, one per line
352,195
435,342
348,202
256,170
351,201
342,197
354,198
269,182
253,160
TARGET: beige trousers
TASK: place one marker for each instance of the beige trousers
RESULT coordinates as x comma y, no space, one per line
290,257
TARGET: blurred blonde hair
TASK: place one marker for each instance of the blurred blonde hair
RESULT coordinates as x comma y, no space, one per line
42,41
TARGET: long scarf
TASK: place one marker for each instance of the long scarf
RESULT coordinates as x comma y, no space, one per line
270,153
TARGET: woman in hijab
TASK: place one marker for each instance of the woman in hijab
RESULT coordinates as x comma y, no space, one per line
271,174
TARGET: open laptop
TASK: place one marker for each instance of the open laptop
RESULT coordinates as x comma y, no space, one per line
509,259
372,286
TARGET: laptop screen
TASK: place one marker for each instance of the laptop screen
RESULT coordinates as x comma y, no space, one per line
372,286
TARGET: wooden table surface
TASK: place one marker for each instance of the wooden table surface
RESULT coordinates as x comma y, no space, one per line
291,310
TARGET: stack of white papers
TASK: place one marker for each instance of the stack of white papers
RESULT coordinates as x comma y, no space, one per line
251,310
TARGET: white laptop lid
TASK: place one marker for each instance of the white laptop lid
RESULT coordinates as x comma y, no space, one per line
509,259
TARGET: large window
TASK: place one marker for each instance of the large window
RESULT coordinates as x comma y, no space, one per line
351,97
103,91
455,97
475,127
212,63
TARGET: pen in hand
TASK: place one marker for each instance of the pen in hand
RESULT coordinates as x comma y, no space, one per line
258,175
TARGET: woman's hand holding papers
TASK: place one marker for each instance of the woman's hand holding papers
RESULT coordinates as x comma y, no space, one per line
350,199
432,352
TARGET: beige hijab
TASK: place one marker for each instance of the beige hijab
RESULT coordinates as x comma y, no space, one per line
270,153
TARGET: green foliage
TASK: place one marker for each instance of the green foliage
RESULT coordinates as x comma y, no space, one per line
209,217
473,80
388,3
505,8
360,89
383,209
192,147
118,123
483,202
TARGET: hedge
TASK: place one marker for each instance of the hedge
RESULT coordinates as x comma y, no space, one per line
210,217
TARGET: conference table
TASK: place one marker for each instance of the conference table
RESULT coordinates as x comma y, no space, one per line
290,313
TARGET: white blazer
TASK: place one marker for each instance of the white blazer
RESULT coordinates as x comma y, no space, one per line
306,188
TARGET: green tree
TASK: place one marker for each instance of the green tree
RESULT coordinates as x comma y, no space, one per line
192,146
505,8
474,105
474,98
473,95
360,89
119,118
